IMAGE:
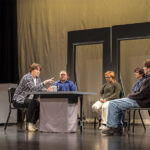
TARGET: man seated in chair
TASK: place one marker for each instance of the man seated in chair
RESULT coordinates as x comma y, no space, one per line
109,91
64,84
139,74
118,107
30,82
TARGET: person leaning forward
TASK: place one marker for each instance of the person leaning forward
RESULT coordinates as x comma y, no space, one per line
30,82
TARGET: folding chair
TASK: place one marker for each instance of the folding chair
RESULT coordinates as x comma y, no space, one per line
11,92
134,111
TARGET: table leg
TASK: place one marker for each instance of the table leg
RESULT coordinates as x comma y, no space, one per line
81,113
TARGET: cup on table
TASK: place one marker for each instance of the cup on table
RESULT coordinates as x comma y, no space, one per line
54,88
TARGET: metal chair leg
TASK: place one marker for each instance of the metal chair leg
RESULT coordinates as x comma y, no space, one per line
142,120
128,124
94,122
133,120
7,120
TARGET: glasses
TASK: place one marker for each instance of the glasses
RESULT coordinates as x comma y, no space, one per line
107,77
63,75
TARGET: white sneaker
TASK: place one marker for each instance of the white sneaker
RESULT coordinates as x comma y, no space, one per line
102,127
31,127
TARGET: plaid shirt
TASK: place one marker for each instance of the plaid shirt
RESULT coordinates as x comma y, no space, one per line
27,85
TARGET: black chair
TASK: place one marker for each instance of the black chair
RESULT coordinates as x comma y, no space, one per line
11,92
134,111
95,122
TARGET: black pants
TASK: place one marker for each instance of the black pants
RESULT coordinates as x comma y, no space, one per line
33,107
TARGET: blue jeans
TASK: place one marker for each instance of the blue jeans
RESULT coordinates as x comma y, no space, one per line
116,110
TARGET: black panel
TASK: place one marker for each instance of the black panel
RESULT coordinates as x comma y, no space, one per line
8,42
126,32
85,37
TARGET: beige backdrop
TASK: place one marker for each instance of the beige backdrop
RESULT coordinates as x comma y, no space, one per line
89,73
42,38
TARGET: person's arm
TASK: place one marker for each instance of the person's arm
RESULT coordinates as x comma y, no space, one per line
59,85
137,85
29,83
133,89
102,91
143,93
72,86
116,94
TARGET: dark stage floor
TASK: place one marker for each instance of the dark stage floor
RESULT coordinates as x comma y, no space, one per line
90,139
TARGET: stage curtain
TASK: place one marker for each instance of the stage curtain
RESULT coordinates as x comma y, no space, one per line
42,34
8,42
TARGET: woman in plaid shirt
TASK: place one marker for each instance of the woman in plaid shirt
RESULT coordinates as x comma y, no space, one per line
30,82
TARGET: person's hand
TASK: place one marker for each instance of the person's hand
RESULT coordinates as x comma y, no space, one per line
50,89
49,81
103,100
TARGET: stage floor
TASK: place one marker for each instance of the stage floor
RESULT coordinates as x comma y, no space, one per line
90,139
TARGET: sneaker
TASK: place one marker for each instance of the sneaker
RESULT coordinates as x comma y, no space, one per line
103,127
31,127
112,131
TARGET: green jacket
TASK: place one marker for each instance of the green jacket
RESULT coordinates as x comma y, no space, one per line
110,91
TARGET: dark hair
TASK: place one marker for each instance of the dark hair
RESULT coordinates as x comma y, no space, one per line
140,71
34,66
147,63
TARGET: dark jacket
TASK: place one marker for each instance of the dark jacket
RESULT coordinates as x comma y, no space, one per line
142,97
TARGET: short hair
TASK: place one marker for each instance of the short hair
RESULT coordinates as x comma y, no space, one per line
34,66
63,71
147,63
111,74
140,71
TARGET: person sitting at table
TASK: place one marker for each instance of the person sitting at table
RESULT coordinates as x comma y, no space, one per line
110,90
30,82
64,84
